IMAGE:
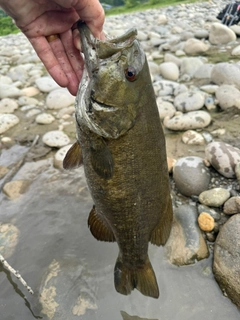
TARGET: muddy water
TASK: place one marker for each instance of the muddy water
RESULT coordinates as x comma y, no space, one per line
72,274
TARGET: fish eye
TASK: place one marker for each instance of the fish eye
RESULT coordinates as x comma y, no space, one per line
130,73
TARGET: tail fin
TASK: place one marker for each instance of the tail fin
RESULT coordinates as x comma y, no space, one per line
143,279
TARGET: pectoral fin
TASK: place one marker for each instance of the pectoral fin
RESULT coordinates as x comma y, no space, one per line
73,158
99,228
101,158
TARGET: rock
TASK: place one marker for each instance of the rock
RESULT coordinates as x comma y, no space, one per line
191,120
212,212
60,155
162,19
204,72
201,34
189,101
56,139
205,222
14,189
214,197
186,244
190,65
142,36
25,100
226,263
59,98
191,176
8,105
237,172
169,71
30,91
165,87
154,68
9,235
221,34
236,28
46,84
226,73
236,51
7,121
9,91
194,47
228,97
181,88
232,206
192,137
32,113
165,108
3,171
66,111
209,103
209,88
171,162
44,118
168,57
223,157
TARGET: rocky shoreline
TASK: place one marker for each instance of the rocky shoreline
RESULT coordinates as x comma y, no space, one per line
194,63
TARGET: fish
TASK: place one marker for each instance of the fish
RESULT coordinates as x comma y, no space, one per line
121,144
126,316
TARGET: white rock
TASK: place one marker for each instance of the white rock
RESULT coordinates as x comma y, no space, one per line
8,105
165,108
5,80
192,137
9,91
194,46
65,111
7,121
56,139
190,120
30,91
59,98
210,88
46,84
226,73
154,68
25,100
204,71
44,118
221,34
60,155
236,51
166,87
168,57
189,101
32,113
228,97
190,65
169,71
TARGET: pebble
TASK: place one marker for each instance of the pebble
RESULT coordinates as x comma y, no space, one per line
190,65
232,206
9,91
56,139
212,212
194,46
165,108
9,235
44,118
226,73
228,97
205,222
223,157
7,121
8,105
227,259
192,137
169,71
3,171
189,101
191,176
221,34
190,120
214,197
59,98
14,189
60,155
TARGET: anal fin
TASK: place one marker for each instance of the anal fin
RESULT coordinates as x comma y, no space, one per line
73,159
99,228
161,232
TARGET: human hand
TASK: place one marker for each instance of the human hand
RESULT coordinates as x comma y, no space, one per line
38,19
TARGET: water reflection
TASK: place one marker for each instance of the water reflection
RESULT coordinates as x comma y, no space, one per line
126,316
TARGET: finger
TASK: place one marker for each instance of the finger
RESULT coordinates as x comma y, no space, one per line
45,53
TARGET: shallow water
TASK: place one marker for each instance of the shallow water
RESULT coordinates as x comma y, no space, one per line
71,273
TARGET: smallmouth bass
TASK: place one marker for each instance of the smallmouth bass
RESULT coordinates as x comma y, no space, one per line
122,147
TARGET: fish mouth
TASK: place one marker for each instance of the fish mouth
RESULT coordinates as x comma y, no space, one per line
98,106
95,49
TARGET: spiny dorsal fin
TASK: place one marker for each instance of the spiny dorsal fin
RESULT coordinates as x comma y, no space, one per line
73,158
98,227
101,159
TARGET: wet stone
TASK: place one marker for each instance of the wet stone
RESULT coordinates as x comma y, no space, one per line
214,197
46,84
205,222
192,137
186,243
9,235
223,157
232,206
3,171
60,155
226,264
7,121
191,175
14,189
212,212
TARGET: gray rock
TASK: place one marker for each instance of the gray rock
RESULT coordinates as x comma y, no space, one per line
232,206
201,34
214,197
226,73
226,264
190,120
221,34
213,212
228,96
189,101
223,157
186,243
191,176
192,137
